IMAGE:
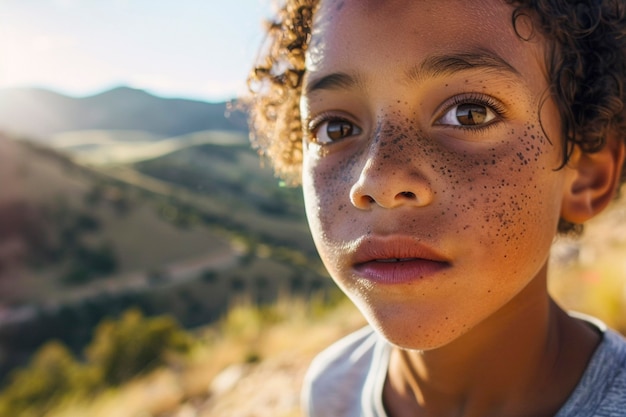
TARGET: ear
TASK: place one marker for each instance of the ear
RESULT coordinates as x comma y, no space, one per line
594,181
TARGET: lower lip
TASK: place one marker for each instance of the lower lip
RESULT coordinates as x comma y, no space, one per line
401,272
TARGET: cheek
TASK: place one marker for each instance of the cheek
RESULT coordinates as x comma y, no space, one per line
508,194
326,183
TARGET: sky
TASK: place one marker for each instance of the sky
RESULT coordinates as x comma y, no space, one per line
198,49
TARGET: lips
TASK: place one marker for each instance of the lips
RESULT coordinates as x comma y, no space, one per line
396,260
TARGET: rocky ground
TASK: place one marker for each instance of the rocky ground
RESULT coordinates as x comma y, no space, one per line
270,387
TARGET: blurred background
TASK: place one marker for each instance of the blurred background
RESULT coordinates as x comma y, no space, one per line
150,264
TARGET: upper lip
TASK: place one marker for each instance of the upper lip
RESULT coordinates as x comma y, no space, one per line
394,247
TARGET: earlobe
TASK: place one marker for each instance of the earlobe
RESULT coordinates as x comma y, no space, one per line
594,181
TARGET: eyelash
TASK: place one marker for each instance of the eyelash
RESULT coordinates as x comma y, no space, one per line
474,98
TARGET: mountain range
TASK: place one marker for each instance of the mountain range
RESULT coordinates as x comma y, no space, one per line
38,113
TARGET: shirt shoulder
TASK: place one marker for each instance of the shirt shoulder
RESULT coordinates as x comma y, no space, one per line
336,378
601,391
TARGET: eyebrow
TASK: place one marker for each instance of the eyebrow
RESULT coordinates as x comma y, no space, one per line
334,81
432,66
438,65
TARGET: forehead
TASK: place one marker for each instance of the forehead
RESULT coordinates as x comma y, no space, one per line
401,33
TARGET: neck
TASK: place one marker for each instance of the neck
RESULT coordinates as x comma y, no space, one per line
514,363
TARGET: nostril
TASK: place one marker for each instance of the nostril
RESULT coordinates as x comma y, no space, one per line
366,196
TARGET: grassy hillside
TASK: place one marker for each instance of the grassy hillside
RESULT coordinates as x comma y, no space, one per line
108,147
228,181
78,244
140,201
53,207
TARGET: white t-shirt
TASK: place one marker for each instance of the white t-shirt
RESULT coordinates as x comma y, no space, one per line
346,379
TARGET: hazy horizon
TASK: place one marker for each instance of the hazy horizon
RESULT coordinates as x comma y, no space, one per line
196,49
115,87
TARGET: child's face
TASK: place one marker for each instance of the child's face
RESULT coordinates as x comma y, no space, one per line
430,185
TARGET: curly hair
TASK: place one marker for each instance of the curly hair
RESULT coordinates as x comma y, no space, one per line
276,86
585,59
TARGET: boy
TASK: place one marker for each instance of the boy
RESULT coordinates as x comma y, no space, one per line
441,146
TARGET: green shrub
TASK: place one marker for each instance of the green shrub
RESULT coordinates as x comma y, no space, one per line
120,350
51,376
135,344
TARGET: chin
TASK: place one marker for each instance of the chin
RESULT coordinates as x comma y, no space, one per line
415,330
418,340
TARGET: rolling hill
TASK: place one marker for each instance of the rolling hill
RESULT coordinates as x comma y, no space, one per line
191,224
228,182
55,214
119,147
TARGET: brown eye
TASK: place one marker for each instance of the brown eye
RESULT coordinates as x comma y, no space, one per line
339,129
471,114
334,130
468,114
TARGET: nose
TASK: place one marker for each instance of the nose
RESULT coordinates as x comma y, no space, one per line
389,183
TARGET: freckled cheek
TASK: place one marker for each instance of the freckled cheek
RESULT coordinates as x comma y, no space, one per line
326,187
501,194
